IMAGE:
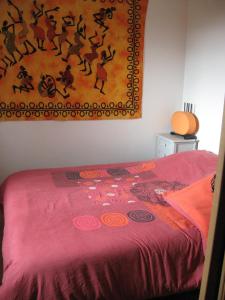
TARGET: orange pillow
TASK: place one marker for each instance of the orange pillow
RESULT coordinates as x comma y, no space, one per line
195,202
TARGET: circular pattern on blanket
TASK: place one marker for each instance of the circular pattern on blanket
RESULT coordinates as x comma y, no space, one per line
86,223
141,216
114,219
89,174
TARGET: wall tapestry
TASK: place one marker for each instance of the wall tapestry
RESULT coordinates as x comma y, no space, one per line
71,59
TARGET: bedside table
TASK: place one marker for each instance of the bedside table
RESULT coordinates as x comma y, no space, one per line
169,144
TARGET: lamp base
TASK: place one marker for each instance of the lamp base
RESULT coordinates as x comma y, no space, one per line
185,136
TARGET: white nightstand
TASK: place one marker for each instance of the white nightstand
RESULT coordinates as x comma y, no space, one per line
169,144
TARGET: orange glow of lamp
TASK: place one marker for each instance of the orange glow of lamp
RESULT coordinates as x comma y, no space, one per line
185,122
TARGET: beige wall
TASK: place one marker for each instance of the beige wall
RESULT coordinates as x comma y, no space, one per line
204,82
26,145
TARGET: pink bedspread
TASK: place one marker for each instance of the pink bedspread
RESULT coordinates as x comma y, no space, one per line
101,232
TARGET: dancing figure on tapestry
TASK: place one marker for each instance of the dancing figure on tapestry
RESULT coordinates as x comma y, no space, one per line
38,31
62,38
47,87
25,81
75,48
91,56
101,16
67,79
68,21
23,33
8,30
51,25
101,71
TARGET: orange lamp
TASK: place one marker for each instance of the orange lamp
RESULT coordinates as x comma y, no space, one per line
184,123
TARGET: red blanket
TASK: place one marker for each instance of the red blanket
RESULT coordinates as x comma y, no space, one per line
101,232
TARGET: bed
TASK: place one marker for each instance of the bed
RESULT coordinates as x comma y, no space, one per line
116,232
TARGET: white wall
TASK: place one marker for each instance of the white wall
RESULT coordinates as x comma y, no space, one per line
204,82
27,145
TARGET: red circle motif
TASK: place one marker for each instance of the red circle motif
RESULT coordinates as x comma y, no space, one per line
86,223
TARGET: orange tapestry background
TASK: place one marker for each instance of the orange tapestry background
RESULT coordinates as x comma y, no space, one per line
71,59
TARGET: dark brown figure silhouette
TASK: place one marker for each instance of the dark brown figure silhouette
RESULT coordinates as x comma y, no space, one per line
8,30
62,38
101,16
39,33
67,79
68,21
22,35
101,71
75,48
38,11
91,56
26,81
51,25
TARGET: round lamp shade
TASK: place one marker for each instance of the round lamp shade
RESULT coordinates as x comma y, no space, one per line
184,123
